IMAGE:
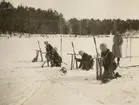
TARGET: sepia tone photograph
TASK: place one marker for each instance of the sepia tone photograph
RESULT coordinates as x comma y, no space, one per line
69,52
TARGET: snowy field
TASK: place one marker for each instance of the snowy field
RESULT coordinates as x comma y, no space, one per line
25,83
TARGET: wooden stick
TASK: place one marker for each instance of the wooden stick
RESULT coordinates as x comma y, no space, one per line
126,47
74,55
130,47
61,47
71,54
98,67
71,62
40,51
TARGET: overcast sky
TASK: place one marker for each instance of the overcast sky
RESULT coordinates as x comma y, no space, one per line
99,9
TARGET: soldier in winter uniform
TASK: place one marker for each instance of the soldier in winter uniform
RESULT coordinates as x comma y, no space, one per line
117,46
108,63
48,54
86,62
48,47
56,59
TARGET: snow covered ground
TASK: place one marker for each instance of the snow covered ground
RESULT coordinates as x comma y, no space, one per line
25,83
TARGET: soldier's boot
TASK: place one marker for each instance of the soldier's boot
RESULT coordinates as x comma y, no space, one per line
117,75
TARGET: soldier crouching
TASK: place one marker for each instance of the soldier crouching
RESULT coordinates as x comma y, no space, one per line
49,50
86,62
108,63
56,59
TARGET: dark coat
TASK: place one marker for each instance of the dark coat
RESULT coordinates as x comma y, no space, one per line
56,59
109,65
108,60
86,62
49,50
117,46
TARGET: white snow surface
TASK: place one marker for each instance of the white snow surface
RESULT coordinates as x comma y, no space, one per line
25,83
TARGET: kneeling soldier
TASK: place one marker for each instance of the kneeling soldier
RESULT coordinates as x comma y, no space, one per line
86,62
56,59
48,54
108,62
49,50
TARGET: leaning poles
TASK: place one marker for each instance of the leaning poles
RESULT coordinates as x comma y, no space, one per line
98,66
37,54
74,55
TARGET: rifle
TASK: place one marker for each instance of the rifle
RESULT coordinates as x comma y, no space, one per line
40,51
98,66
74,55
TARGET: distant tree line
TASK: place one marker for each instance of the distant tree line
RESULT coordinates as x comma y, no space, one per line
36,21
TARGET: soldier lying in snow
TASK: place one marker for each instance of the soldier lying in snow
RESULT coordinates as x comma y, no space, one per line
86,62
108,62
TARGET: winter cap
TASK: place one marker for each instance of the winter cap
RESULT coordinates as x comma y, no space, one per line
81,52
103,45
45,42
55,48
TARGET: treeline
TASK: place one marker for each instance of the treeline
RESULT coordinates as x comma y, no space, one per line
29,20
36,21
